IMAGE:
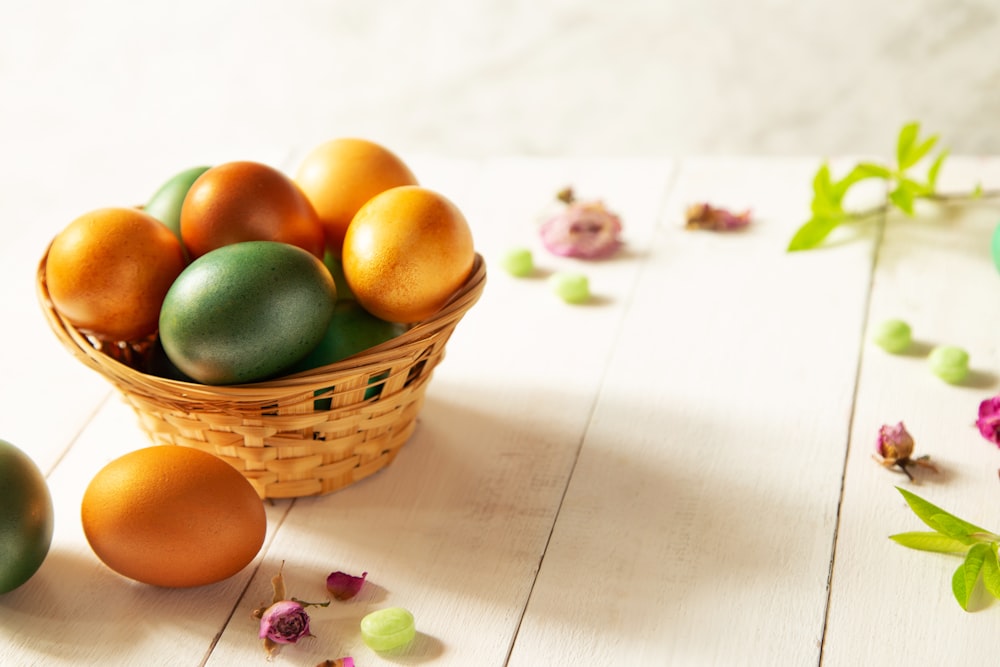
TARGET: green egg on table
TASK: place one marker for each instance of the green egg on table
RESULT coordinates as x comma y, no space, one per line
246,312
26,517
165,204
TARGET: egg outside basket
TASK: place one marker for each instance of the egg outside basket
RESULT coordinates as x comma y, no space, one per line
306,434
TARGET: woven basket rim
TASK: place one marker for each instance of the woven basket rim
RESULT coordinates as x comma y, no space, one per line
412,342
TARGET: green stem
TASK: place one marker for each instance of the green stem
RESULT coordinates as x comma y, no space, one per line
942,197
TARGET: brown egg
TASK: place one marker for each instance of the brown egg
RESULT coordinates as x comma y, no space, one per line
173,516
406,252
248,201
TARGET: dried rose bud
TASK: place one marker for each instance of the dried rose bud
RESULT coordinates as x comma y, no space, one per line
284,622
894,447
339,662
989,419
706,216
894,442
585,230
344,586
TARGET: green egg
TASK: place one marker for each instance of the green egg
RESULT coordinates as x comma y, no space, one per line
26,517
165,204
352,329
246,312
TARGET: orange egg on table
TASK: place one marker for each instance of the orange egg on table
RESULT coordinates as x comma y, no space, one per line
173,516
406,252
247,201
108,271
340,175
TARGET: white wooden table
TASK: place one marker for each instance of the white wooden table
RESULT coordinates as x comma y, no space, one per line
677,473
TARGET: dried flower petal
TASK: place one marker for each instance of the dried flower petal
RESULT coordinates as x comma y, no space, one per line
344,586
989,419
585,230
339,662
284,622
706,216
894,442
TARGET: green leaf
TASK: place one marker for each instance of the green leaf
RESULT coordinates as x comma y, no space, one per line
823,199
917,152
964,580
925,541
931,514
991,572
812,233
955,528
903,199
935,168
904,145
978,191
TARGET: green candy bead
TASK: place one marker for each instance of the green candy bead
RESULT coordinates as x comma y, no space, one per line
388,629
949,363
570,287
518,262
893,336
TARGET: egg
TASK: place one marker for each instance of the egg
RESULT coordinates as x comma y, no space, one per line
26,517
406,252
173,516
248,201
245,312
165,204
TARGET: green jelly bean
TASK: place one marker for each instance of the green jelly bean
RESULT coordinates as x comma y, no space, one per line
570,287
518,262
949,363
388,629
893,336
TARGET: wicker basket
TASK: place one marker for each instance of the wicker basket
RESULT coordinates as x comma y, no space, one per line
302,435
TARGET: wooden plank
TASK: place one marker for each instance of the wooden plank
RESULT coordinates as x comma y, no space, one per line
891,605
698,525
455,529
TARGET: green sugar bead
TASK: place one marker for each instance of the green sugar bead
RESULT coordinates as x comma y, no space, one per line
388,629
893,336
570,287
518,262
949,363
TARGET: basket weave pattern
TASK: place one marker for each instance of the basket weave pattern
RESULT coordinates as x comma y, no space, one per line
307,434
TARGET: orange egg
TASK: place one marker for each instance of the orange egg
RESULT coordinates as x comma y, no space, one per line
247,201
340,175
108,271
406,252
173,516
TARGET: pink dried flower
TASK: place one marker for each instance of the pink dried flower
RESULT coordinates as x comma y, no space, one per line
894,447
989,419
284,622
339,662
706,216
344,586
585,230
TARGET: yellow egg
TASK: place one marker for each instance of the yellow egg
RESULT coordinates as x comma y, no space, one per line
173,516
406,251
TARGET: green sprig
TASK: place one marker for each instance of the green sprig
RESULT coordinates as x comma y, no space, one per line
955,536
903,188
